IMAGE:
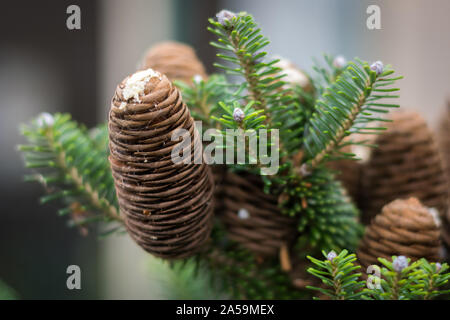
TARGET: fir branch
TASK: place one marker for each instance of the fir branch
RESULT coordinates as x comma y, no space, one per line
432,278
71,167
202,97
182,279
397,280
7,293
347,106
327,219
242,43
99,138
290,118
338,272
244,125
328,73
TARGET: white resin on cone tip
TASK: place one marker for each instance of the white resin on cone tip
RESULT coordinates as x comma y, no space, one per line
135,84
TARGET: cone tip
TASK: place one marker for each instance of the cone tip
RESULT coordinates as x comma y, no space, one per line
134,85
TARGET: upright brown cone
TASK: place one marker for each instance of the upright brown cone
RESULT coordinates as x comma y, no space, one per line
444,142
404,227
252,217
167,206
407,163
176,60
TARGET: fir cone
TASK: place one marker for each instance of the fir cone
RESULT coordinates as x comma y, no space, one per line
252,217
404,227
177,61
444,143
167,206
406,163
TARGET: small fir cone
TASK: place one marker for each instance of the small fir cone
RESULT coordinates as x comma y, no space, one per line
404,227
444,143
407,163
176,60
167,205
252,217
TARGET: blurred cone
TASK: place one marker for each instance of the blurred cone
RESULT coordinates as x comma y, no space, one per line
444,143
407,163
252,217
404,227
176,60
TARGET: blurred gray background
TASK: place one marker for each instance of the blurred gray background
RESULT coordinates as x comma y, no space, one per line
45,67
